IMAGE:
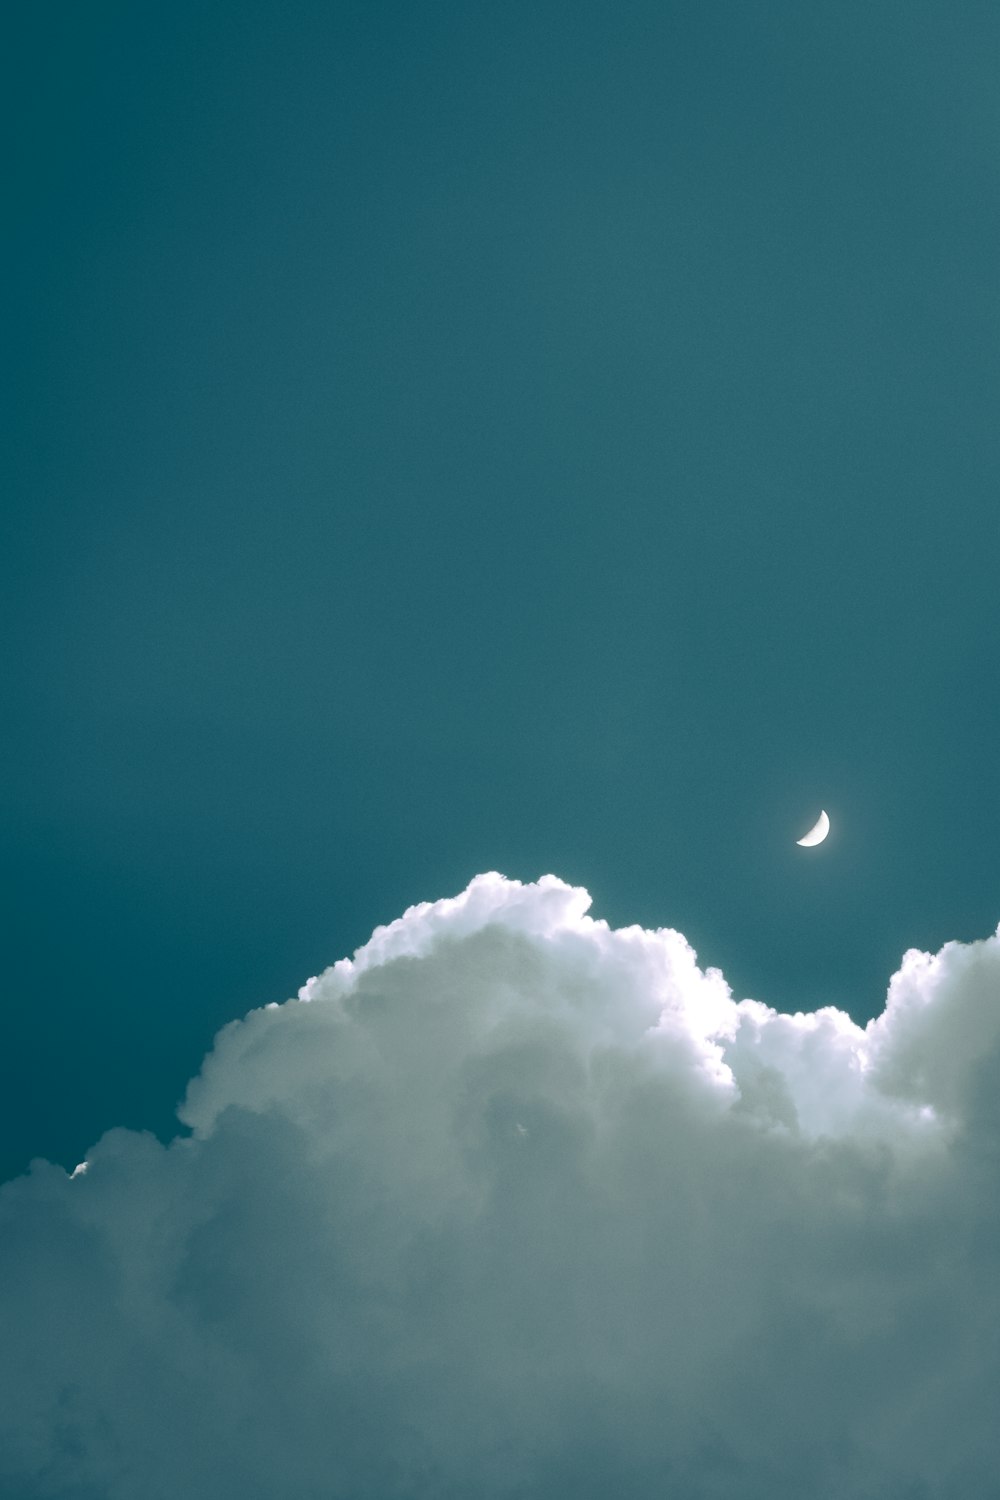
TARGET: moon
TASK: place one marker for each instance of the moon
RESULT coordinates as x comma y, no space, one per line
817,833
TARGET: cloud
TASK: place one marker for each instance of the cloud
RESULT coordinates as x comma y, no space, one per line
515,1205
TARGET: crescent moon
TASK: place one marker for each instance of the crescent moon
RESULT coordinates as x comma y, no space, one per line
817,833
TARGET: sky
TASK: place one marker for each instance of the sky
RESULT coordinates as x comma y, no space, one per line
448,439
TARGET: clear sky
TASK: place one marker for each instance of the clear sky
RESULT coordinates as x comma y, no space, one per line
443,438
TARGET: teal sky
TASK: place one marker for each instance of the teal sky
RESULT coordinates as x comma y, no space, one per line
447,438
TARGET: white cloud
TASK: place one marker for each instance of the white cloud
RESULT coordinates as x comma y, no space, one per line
514,1205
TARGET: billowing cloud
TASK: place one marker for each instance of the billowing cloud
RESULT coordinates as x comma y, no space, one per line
515,1205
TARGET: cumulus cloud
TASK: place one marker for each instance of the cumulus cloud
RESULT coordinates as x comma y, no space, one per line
516,1205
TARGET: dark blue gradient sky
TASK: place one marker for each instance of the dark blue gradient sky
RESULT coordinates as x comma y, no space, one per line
443,438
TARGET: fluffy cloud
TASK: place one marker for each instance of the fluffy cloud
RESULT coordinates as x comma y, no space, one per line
515,1205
